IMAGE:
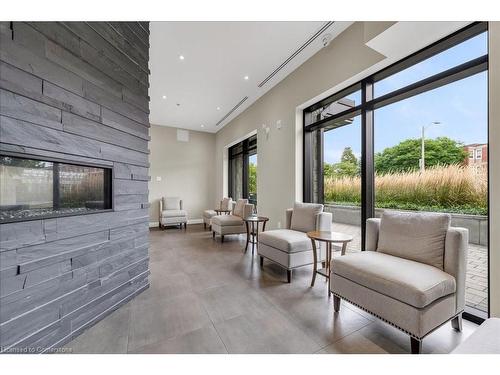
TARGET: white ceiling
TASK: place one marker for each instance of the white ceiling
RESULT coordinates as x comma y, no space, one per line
217,57
399,40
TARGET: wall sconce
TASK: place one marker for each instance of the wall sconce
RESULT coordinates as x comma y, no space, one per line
266,129
278,125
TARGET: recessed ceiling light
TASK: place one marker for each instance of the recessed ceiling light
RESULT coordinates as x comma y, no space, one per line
181,57
164,96
202,126
218,108
246,78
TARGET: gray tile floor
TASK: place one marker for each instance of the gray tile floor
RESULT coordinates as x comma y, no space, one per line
209,297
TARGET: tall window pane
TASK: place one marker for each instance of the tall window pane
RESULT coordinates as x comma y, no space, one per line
431,156
236,177
342,179
252,179
243,170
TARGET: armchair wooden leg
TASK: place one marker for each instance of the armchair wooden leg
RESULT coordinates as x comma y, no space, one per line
204,226
416,345
289,276
213,235
456,323
261,262
222,238
336,303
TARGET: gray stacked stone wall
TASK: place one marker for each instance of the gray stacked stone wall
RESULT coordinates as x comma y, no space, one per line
78,92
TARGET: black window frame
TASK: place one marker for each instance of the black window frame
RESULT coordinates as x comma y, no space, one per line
245,148
108,186
366,109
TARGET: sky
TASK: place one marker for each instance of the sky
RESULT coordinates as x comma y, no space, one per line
252,159
461,107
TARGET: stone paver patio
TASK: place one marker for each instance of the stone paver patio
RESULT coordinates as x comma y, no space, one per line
476,287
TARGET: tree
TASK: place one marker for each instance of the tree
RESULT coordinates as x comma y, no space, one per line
328,170
348,156
252,178
347,167
405,156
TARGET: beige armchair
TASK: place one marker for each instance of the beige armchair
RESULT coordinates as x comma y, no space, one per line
290,247
225,204
412,275
232,224
171,212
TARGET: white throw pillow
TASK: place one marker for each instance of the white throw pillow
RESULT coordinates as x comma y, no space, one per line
304,216
225,204
416,236
171,203
240,207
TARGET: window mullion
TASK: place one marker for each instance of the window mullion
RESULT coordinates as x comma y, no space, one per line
367,159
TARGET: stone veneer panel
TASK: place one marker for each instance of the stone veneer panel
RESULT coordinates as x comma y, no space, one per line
76,91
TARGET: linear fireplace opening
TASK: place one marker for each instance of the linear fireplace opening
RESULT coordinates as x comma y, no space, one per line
33,188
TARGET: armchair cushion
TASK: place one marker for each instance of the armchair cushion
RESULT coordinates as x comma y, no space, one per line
223,220
304,216
407,281
226,203
173,213
240,207
415,236
286,240
171,203
209,214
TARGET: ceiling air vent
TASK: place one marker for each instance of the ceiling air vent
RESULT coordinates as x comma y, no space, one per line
299,50
232,110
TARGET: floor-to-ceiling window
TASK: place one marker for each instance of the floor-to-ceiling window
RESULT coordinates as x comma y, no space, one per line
252,178
243,170
412,137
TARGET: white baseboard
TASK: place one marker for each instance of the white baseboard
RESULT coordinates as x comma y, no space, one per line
155,224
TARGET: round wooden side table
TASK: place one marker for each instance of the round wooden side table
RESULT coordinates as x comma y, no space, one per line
253,233
329,238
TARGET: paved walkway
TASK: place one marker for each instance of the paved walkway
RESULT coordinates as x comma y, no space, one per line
476,287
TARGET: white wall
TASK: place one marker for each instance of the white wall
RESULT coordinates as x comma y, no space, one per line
279,173
494,165
186,170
